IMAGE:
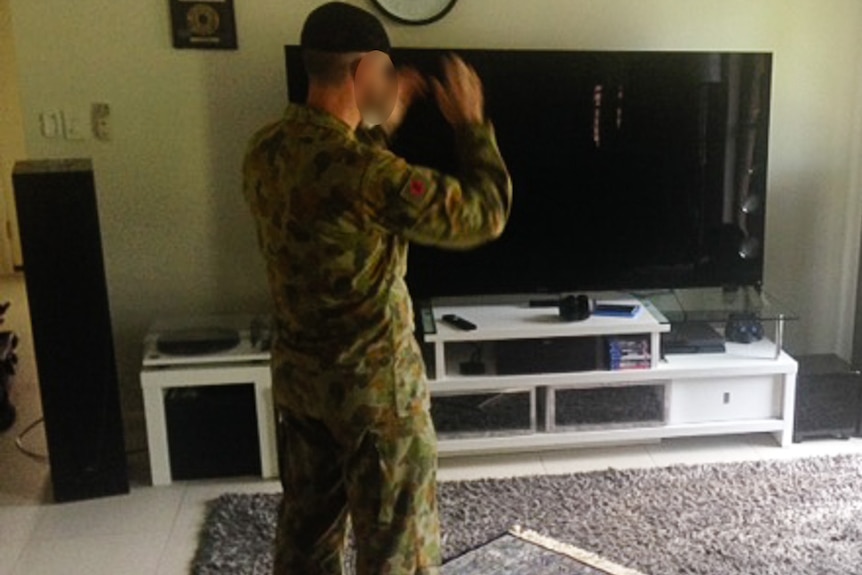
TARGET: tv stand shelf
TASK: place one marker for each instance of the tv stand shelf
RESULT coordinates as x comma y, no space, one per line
747,389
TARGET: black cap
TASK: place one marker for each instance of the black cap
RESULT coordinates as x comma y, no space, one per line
340,27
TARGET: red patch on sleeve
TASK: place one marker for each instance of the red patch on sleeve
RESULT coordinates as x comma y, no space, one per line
417,188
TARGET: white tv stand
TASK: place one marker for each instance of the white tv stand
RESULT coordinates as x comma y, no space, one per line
748,389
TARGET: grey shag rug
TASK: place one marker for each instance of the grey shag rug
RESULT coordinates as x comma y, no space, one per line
798,517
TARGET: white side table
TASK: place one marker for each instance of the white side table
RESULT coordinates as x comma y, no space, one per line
246,363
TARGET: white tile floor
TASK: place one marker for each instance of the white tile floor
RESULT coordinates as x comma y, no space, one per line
153,530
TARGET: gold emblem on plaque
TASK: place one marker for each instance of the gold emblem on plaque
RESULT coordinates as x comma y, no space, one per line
203,20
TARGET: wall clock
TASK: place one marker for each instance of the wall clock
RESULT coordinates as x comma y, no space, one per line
415,12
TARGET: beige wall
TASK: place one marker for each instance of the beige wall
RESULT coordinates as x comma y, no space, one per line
11,140
177,237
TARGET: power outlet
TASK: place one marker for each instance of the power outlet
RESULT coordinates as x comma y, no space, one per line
73,128
100,114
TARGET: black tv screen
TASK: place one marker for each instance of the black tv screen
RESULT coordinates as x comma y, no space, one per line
631,170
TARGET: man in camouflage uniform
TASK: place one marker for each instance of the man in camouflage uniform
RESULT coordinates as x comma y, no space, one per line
335,211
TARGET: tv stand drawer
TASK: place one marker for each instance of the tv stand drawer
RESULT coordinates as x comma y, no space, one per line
725,399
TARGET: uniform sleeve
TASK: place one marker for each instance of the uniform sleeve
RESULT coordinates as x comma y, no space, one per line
435,209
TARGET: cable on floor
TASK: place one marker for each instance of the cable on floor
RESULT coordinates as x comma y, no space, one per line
19,442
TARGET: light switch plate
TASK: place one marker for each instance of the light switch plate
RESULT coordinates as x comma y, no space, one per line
50,123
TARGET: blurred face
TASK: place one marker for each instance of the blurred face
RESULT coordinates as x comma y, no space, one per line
376,88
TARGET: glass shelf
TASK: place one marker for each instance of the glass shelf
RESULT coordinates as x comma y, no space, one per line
685,308
713,305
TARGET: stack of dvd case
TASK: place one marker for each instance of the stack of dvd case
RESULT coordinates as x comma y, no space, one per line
629,352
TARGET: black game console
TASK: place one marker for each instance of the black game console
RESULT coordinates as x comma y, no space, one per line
692,337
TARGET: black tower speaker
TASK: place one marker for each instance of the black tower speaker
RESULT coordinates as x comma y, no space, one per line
71,326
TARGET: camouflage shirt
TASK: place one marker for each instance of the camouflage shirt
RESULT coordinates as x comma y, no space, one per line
335,211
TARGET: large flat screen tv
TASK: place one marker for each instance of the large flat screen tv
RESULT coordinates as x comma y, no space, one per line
631,170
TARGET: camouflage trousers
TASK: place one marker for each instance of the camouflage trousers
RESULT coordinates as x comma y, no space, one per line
383,479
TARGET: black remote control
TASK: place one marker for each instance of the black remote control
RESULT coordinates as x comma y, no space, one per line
458,322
